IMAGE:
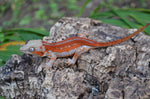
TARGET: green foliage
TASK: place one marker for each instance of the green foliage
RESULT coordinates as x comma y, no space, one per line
22,13
72,4
3,8
2,97
54,6
128,18
25,20
5,55
40,14
83,8
1,37
18,34
34,1
24,34
16,8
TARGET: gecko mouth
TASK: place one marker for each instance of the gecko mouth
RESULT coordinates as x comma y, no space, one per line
23,50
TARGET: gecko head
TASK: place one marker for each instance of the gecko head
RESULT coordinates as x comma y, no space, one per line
33,47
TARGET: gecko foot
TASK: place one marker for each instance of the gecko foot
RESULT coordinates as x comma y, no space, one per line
48,66
70,62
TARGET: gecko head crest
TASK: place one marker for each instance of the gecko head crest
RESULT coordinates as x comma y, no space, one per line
31,46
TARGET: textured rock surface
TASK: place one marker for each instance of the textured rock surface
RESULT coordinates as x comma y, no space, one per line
116,72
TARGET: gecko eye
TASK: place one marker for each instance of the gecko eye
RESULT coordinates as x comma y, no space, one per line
31,49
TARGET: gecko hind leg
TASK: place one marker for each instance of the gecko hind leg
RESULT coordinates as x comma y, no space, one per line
78,52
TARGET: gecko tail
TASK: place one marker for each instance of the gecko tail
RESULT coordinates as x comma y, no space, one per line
123,39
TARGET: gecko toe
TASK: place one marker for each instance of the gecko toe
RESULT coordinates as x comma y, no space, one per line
70,62
47,68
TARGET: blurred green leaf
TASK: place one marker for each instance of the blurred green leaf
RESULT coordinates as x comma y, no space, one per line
140,9
16,9
34,1
53,6
7,23
116,12
128,18
115,22
96,10
15,38
25,30
5,55
19,34
72,4
1,63
2,97
7,49
25,20
40,14
24,34
27,36
4,7
83,8
147,30
1,37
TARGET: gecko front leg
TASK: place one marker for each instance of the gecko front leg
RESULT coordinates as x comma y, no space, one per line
78,52
51,61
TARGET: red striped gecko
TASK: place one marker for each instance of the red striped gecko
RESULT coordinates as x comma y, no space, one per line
71,46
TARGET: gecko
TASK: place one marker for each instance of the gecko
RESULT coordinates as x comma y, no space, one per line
73,46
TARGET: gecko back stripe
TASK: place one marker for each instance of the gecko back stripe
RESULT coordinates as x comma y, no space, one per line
74,42
69,40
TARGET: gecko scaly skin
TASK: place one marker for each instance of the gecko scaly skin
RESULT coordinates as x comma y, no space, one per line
71,46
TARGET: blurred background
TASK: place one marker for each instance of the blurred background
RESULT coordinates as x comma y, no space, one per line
42,14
